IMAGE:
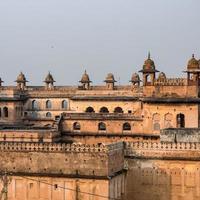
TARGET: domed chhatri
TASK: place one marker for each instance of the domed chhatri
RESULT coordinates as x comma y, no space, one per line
110,78
49,78
135,79
149,64
21,81
193,63
162,76
85,78
110,81
21,78
49,81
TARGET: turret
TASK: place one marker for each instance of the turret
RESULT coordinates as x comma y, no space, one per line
149,71
110,81
135,79
21,81
49,81
193,71
85,81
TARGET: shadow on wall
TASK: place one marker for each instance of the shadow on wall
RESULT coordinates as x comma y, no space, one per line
162,180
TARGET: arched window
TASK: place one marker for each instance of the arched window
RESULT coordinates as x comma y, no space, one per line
48,114
156,122
48,104
168,120
104,110
64,104
76,126
34,105
5,112
89,110
126,127
101,126
180,120
156,126
118,110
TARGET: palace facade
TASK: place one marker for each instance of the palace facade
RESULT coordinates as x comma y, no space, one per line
75,133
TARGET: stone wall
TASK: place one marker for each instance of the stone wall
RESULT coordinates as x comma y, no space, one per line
75,160
162,180
31,135
52,188
180,135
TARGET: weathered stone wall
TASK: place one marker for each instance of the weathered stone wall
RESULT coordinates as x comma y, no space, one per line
114,125
170,90
163,110
51,188
62,159
55,188
180,135
162,180
32,135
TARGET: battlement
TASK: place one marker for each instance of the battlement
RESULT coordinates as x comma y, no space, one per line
162,150
171,81
59,147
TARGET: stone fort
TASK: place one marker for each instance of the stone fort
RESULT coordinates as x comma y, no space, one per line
92,142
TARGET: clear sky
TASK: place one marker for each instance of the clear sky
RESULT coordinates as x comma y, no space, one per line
68,36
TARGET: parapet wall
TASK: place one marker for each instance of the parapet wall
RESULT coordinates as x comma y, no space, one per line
162,150
180,135
171,81
69,160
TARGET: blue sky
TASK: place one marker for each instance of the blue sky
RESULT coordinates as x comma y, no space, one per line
68,36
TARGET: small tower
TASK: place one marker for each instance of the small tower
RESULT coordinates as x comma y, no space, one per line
85,81
21,81
49,82
135,80
193,71
110,81
149,71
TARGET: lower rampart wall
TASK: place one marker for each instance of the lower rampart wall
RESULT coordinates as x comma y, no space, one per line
48,188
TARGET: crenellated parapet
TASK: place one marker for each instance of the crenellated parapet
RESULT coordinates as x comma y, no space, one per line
171,82
163,150
59,147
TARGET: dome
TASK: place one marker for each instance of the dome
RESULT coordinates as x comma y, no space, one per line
49,78
85,78
149,64
135,78
161,76
193,63
21,78
110,78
